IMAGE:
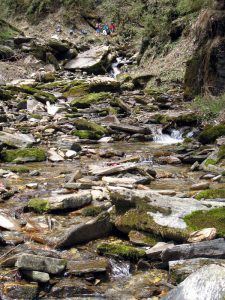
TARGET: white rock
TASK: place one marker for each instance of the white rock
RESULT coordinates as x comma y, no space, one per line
205,234
70,154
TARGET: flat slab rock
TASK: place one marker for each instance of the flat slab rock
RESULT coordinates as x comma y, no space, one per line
175,208
210,249
87,266
206,283
49,265
70,201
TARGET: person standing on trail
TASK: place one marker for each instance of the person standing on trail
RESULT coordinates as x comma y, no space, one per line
112,27
98,28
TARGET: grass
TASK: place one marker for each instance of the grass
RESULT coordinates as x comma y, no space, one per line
207,219
211,194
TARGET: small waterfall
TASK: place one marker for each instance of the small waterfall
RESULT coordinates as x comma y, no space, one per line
52,109
166,139
119,269
120,61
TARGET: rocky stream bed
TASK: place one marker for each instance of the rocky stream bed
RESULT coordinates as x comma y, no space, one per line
107,192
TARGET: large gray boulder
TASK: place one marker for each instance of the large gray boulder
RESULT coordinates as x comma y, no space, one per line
208,283
82,233
94,60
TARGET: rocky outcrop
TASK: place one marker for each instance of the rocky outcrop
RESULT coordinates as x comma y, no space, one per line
206,70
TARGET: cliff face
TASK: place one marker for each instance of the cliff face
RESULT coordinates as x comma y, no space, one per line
205,72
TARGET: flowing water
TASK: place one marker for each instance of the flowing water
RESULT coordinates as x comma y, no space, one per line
175,137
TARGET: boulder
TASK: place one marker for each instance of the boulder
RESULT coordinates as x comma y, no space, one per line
206,283
82,233
93,60
6,52
30,262
155,252
19,290
8,223
181,269
36,276
206,234
16,140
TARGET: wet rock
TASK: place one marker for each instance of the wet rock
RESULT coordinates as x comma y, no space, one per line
67,288
103,171
75,176
181,269
130,129
49,265
76,147
17,140
93,60
94,229
206,234
70,154
206,283
87,266
6,52
125,181
19,290
58,46
36,276
195,166
155,252
210,249
143,239
168,160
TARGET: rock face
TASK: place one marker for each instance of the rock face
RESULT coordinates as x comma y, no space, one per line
206,70
94,229
17,140
93,60
207,283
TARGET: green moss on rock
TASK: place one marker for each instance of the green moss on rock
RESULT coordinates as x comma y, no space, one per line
210,162
89,99
127,252
92,211
18,169
135,219
210,134
34,154
79,88
39,205
87,135
211,194
205,219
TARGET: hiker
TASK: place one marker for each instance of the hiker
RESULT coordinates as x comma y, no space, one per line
112,27
58,28
98,28
106,30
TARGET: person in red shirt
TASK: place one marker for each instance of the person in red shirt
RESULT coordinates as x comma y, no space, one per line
112,27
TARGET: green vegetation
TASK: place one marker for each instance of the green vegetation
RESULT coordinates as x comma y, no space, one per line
18,169
21,155
205,219
87,135
87,100
211,133
39,205
127,252
88,129
211,194
189,6
208,107
210,161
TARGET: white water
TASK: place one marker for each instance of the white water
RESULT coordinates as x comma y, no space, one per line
52,109
166,139
119,269
115,66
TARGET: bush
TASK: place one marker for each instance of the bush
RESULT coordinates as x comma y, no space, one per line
190,6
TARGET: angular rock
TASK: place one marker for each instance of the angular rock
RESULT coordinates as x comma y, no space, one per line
54,156
94,229
206,283
208,249
206,234
93,60
130,129
36,276
70,201
17,140
181,269
155,252
200,186
87,266
30,262
102,171
8,223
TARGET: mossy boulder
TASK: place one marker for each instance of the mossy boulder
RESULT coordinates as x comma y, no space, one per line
89,99
92,211
6,52
210,134
207,219
18,169
211,194
143,239
39,205
23,155
79,88
121,250
88,129
135,219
